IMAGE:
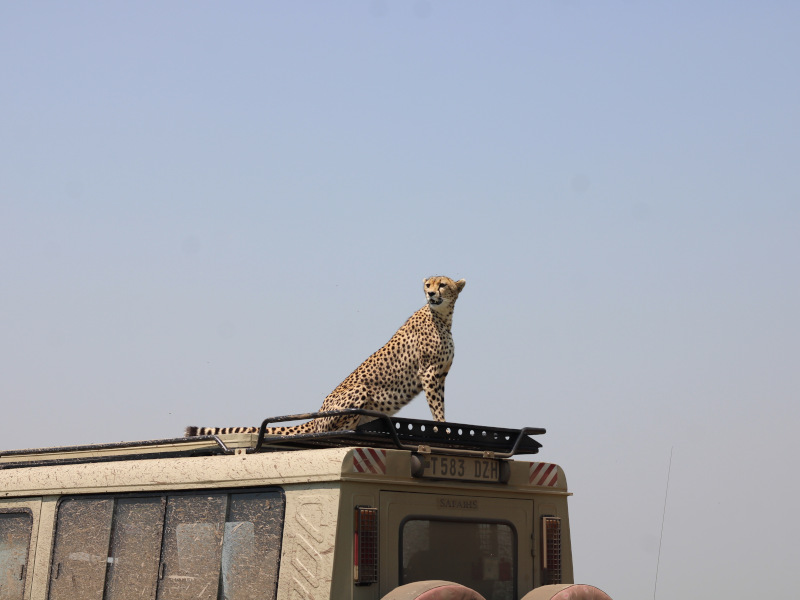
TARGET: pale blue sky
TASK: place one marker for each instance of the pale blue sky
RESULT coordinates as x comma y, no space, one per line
211,212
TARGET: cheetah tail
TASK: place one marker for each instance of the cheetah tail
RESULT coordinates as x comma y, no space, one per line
193,431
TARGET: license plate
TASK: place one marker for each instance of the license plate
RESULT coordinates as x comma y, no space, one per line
462,468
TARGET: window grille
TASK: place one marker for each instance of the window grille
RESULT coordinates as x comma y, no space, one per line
551,555
366,546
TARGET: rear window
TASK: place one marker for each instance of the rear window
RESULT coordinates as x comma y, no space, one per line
479,555
15,539
203,546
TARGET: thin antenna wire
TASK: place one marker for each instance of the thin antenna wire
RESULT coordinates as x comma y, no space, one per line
663,516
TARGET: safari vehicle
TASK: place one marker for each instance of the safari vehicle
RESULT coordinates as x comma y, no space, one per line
394,509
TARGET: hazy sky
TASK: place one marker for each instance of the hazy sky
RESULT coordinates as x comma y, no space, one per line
211,212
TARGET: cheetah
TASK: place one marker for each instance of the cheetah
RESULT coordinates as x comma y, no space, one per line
417,358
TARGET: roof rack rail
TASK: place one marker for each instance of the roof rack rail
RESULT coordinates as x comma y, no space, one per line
115,451
381,430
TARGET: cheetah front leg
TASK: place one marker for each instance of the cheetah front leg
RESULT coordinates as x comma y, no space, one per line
433,385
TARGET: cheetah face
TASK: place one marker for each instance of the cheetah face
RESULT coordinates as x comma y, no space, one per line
440,290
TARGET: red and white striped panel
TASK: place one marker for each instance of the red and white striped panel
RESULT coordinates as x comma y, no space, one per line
369,460
544,474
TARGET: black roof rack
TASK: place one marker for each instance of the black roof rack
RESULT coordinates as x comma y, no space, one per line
381,431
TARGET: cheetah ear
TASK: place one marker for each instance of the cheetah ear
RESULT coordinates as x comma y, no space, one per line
460,284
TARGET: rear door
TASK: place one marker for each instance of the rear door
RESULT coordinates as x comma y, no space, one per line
482,543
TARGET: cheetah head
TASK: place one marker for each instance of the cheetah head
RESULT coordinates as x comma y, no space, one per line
442,290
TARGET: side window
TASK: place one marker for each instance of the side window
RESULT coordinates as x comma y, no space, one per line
135,548
252,547
207,546
192,547
15,538
80,553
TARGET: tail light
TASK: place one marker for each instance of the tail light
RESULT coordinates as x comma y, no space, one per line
365,546
551,550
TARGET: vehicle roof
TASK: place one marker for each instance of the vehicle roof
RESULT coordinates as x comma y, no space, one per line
261,459
184,472
309,467
379,431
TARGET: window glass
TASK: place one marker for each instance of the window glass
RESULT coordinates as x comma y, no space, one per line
81,549
481,556
15,536
172,547
192,550
251,546
135,548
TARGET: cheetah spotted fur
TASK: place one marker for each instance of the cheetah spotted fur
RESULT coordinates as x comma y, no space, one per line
417,358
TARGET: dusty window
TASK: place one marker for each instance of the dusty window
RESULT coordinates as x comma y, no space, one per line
15,536
81,549
481,556
135,548
198,546
192,554
251,547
